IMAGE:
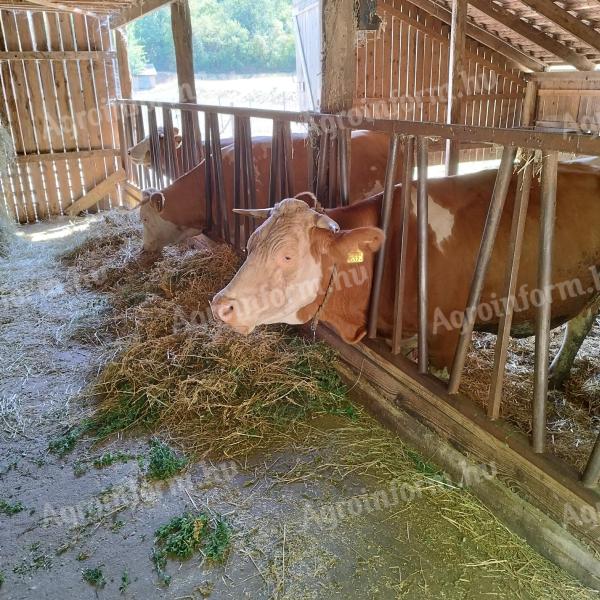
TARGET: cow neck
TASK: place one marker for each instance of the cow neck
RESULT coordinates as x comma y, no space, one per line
315,320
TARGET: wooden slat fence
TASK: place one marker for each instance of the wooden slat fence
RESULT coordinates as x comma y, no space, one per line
55,103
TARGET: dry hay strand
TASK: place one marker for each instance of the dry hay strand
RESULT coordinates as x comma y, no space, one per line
210,390
216,393
110,253
573,414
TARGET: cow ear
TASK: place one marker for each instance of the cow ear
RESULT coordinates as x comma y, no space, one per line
350,245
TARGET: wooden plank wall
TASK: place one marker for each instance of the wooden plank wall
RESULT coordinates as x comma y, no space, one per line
53,105
402,73
568,100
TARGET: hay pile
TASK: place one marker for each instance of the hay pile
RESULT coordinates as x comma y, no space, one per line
7,233
110,254
211,391
573,413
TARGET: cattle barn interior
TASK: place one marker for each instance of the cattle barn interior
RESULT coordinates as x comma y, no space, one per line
451,85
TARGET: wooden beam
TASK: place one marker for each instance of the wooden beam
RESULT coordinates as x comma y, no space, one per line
456,83
62,7
522,60
97,193
529,110
139,9
181,24
67,55
83,154
338,67
123,64
534,35
567,21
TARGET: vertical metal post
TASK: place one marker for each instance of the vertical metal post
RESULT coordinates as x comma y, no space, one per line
407,175
542,329
169,144
343,166
510,285
250,176
485,253
274,183
423,249
155,148
386,212
323,168
208,170
222,216
238,178
287,172
592,469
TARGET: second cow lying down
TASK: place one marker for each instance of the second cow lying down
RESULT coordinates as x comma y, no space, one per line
302,263
178,211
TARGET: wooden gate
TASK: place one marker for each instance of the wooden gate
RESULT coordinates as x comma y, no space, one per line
57,78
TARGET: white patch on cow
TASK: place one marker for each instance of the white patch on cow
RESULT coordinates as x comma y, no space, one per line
373,168
441,220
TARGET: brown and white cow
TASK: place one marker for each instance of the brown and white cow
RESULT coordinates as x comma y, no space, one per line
302,263
178,211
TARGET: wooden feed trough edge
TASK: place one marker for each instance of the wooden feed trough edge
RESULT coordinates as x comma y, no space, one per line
532,493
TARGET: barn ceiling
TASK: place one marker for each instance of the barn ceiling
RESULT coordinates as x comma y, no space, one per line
555,33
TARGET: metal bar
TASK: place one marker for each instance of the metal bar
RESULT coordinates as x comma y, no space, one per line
407,175
169,149
122,139
139,126
333,191
323,168
517,137
343,166
222,216
592,469
238,177
485,253
250,178
155,149
423,250
288,171
208,168
515,249
386,213
274,187
542,329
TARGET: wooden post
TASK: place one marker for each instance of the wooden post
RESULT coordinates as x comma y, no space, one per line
181,25
338,67
455,78
123,64
529,104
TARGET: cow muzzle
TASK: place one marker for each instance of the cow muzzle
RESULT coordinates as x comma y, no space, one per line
228,310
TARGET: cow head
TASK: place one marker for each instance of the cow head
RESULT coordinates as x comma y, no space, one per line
289,270
140,153
159,232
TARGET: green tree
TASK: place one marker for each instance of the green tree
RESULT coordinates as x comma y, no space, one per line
136,51
246,36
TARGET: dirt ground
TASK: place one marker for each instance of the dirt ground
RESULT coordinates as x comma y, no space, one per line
343,511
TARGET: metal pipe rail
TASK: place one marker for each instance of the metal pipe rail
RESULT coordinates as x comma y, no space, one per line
329,165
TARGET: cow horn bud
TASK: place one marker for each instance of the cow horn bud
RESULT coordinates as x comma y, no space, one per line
257,213
324,222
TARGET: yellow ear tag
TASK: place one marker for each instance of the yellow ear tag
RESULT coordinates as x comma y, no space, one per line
355,257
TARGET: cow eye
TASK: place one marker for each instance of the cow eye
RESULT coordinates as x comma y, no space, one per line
287,258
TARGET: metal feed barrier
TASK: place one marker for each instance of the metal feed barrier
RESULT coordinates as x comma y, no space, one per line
329,169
